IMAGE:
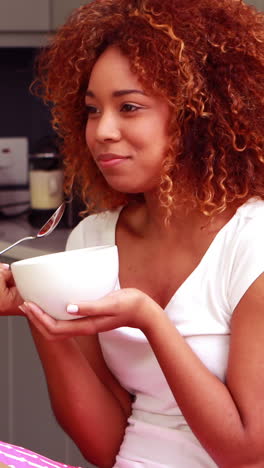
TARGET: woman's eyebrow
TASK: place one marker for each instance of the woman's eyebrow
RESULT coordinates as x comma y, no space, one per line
121,92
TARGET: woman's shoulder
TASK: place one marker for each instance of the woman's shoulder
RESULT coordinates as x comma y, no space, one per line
95,229
245,252
252,209
247,228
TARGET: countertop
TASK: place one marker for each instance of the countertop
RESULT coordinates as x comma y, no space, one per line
12,229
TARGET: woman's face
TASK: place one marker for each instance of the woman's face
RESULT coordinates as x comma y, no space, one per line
126,128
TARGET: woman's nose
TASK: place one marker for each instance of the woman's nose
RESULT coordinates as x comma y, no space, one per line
108,128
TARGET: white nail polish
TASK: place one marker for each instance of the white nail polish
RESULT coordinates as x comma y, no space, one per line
72,308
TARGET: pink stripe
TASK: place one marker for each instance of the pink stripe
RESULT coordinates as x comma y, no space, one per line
18,457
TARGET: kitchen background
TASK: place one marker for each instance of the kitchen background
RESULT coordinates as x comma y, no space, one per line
25,415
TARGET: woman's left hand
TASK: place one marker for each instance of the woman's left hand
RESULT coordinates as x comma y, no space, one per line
126,307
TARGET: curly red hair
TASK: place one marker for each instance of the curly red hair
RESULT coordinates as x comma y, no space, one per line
206,58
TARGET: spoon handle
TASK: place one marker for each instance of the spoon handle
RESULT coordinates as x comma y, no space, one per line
16,243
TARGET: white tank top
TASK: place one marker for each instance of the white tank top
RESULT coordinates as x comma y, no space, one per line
157,434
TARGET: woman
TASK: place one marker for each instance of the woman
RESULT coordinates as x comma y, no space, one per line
160,108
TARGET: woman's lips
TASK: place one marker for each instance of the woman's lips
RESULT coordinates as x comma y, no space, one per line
110,159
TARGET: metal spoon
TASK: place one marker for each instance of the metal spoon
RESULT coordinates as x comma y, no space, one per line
45,230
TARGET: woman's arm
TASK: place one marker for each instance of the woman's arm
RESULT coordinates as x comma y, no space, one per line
227,418
87,401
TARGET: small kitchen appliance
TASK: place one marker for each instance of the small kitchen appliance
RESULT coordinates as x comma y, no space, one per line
14,184
45,180
46,177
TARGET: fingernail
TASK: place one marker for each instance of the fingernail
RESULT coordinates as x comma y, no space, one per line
23,308
5,266
72,308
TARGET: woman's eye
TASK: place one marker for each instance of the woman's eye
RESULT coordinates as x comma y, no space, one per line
129,108
91,110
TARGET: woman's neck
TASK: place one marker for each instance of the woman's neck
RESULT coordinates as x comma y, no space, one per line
185,222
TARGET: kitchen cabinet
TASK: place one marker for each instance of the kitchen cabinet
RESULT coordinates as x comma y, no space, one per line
259,4
26,417
26,15
61,10
29,23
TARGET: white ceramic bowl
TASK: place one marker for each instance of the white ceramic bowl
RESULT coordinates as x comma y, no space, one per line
55,280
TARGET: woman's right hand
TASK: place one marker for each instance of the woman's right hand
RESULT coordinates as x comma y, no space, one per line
9,296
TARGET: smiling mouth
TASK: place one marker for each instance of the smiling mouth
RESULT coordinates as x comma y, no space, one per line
110,159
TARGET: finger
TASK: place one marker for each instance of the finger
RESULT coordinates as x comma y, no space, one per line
9,296
53,329
37,320
38,314
5,275
64,328
107,305
33,320
69,328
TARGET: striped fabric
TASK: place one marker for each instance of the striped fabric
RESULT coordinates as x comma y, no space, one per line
18,457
